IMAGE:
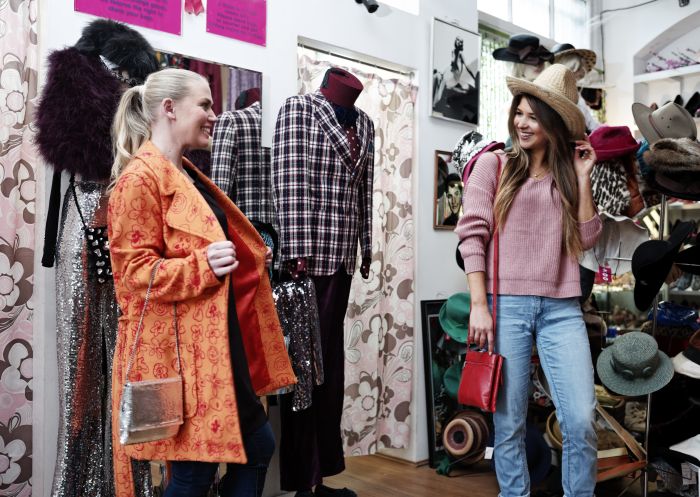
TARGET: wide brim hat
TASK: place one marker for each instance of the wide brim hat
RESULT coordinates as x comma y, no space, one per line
588,57
674,165
619,239
465,436
523,49
633,365
611,142
668,121
683,365
652,261
689,259
555,86
454,316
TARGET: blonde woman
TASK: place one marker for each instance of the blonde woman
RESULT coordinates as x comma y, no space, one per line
543,208
213,276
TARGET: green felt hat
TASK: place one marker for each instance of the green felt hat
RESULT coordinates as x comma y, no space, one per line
451,379
454,317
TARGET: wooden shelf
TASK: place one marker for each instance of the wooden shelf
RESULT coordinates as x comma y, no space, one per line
669,74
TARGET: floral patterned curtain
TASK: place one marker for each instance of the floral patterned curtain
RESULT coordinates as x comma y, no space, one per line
19,55
379,322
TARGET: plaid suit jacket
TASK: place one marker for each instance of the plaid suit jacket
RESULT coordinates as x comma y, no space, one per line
239,165
323,198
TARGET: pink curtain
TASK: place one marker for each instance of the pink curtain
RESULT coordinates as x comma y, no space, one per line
379,323
19,55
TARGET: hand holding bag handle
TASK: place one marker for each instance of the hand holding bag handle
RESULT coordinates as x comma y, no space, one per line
151,409
481,375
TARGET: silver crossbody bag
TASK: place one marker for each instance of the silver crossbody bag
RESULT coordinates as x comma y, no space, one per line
152,409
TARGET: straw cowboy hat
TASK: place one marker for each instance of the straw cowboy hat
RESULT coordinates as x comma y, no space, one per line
563,49
555,86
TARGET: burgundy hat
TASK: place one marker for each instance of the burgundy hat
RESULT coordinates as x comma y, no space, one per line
610,142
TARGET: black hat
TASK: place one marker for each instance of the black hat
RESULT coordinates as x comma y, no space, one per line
693,104
121,45
524,49
652,261
689,259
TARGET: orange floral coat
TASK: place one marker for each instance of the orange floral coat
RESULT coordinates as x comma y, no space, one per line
156,212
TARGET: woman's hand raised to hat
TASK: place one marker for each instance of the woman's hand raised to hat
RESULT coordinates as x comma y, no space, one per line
584,159
481,326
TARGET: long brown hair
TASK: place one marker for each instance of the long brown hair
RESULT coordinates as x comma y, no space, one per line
560,158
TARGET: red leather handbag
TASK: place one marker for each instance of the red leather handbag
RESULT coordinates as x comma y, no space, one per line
481,375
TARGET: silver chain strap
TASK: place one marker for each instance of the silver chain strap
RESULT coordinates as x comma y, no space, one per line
132,357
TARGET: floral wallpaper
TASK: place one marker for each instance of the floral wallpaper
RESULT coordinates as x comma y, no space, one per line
379,327
19,54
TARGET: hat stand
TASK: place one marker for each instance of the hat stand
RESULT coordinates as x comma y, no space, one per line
655,311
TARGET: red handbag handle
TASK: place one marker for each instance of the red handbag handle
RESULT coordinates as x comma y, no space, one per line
494,294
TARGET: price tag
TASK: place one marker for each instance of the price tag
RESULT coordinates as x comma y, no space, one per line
605,273
488,455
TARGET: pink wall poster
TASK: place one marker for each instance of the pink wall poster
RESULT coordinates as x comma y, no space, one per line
244,20
161,15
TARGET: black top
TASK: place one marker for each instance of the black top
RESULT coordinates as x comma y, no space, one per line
251,414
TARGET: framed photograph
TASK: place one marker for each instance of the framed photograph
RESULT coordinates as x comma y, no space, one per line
455,63
438,355
447,198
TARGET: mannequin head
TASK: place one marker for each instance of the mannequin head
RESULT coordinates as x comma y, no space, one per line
340,87
247,98
574,63
526,71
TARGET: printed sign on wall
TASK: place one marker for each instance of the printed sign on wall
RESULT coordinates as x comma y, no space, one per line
162,15
244,20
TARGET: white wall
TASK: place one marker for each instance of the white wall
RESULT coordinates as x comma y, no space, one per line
399,38
631,31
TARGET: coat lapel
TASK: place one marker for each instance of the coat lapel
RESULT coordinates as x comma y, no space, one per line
188,211
335,134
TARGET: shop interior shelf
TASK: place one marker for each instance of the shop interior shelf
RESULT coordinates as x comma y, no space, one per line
668,74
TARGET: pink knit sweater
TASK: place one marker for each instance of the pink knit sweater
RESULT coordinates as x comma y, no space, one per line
533,260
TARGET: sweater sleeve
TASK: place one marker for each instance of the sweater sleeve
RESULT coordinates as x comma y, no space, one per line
590,231
476,224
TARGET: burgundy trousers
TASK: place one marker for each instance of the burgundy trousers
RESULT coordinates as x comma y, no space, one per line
311,447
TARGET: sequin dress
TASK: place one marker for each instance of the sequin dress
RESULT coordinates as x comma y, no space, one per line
86,319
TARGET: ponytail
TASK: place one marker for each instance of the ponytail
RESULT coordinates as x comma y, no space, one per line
130,130
138,108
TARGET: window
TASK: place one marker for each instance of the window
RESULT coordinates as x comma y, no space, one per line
410,6
494,96
569,24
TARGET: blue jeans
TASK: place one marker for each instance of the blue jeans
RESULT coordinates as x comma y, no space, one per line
562,343
194,479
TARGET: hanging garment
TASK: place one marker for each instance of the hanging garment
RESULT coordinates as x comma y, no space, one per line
323,198
86,318
240,166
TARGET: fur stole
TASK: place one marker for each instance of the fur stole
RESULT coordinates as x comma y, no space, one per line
75,114
674,155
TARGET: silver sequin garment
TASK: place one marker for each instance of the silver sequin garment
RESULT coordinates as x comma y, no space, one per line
298,314
86,318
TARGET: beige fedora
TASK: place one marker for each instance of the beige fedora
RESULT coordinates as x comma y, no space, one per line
555,86
668,121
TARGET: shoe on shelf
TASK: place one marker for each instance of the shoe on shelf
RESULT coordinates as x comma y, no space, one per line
684,282
324,491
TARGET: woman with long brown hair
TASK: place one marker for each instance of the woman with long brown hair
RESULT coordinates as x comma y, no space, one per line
538,197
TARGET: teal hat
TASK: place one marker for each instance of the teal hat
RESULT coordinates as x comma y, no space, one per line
454,317
451,379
